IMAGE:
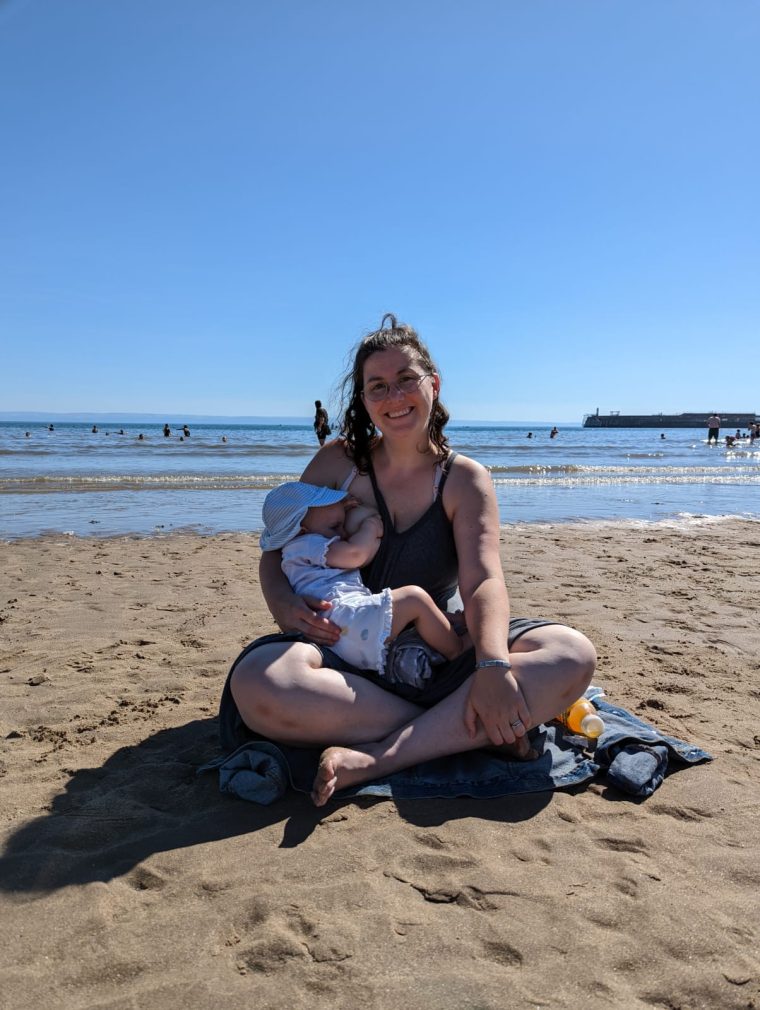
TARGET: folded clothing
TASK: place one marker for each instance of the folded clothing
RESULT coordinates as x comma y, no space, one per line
638,769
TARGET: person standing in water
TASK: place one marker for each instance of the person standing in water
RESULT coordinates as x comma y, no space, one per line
713,428
321,422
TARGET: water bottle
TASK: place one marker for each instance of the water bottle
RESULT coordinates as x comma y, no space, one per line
581,717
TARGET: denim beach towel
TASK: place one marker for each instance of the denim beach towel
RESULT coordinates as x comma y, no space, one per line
631,755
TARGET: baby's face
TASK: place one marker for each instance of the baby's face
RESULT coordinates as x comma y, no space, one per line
327,520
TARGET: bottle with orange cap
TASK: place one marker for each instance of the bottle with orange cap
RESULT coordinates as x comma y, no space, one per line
581,717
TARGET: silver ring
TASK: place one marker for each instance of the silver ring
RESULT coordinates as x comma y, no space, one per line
516,723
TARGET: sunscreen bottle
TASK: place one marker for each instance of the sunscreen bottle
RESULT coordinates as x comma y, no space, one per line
581,717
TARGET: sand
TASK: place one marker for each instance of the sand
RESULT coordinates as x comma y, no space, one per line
128,882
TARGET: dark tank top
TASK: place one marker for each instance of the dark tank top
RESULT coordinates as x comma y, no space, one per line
424,555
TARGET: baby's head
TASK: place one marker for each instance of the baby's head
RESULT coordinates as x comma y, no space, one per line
291,508
327,520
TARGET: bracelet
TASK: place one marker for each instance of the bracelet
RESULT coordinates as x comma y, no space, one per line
503,663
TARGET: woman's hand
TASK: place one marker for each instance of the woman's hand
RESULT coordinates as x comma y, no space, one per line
309,616
496,701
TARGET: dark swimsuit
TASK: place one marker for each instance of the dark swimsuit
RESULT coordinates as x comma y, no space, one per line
423,555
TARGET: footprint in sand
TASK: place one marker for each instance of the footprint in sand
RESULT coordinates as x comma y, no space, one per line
502,953
301,937
622,844
143,879
683,813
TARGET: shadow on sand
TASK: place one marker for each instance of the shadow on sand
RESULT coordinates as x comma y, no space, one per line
148,798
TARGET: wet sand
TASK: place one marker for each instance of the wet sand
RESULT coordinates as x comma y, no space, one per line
128,882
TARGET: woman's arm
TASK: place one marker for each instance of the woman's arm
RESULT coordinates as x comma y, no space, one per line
305,614
328,468
495,698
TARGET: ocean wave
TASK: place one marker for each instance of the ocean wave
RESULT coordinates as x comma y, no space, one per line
621,471
588,480
142,482
680,521
118,448
535,476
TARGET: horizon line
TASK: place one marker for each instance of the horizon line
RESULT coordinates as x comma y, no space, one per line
151,417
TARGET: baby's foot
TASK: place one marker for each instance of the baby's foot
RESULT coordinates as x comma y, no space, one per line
340,767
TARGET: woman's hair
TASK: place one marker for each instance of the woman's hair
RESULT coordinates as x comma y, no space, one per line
358,430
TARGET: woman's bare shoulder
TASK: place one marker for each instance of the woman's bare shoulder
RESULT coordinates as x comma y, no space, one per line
468,475
329,466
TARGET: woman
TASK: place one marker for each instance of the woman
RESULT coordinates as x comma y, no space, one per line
441,532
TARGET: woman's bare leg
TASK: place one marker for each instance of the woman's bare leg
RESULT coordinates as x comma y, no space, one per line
553,666
282,691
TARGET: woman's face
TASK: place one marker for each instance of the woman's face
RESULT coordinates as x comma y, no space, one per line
399,409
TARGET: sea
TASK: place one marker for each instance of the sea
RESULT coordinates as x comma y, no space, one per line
74,481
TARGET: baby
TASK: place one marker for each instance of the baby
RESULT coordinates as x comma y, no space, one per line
325,539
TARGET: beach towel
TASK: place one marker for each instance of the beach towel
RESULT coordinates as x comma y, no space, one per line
631,756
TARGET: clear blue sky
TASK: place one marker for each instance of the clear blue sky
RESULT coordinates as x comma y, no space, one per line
204,204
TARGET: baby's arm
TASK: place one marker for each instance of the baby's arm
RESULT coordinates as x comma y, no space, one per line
361,545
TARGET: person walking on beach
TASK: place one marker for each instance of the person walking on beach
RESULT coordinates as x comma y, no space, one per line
713,428
441,532
325,538
321,422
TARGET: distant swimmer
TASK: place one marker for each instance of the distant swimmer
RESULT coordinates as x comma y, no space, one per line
140,437
94,429
529,435
730,439
713,428
27,434
120,431
224,439
51,428
662,435
185,431
167,431
554,432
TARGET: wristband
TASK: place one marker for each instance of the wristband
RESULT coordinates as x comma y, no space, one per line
504,664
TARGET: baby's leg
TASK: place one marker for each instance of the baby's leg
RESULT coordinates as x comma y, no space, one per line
413,605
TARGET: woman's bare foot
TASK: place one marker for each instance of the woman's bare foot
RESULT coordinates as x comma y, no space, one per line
340,767
520,750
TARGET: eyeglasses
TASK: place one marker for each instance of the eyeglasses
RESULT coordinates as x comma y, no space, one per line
377,391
